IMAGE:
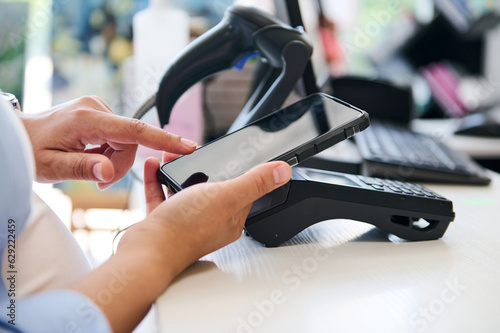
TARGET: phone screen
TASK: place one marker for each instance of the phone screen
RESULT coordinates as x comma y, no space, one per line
274,137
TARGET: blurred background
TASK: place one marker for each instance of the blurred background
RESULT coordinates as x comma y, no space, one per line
52,51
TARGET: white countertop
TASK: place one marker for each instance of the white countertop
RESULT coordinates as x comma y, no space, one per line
346,276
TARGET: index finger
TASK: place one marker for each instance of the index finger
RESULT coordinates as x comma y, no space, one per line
134,131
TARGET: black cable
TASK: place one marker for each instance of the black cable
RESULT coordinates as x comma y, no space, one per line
116,236
141,111
145,107
125,205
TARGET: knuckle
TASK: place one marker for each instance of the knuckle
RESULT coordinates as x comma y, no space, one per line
96,98
169,135
80,170
93,102
137,126
89,100
81,112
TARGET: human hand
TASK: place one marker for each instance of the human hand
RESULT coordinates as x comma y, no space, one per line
175,233
60,135
202,218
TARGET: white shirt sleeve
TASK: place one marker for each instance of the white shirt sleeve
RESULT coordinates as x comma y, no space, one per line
60,311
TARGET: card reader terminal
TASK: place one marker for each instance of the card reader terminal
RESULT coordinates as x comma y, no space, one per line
407,210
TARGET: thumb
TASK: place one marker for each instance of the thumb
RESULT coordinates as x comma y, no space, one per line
83,166
259,181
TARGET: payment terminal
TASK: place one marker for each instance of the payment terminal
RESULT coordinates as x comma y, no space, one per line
407,210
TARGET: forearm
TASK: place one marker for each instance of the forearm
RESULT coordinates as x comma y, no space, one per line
127,285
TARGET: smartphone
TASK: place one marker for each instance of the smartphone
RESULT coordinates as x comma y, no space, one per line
291,134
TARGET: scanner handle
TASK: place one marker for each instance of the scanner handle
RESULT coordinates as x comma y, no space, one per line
269,97
217,50
242,31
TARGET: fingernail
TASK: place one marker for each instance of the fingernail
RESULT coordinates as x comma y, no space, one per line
189,143
281,174
103,186
97,170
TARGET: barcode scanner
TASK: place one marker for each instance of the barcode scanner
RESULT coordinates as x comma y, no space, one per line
243,33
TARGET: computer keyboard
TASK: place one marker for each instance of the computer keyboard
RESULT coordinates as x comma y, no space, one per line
395,152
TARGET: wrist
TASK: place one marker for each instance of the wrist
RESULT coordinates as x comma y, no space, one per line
159,250
150,275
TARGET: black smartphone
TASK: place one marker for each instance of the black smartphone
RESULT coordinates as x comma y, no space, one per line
291,134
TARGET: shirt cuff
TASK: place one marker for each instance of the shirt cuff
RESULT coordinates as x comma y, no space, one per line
60,311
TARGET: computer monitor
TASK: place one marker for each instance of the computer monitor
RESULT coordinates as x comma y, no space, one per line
13,18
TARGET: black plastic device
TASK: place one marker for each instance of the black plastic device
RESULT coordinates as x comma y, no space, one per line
409,211
291,134
244,32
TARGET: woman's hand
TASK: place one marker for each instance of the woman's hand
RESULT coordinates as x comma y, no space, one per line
175,233
60,137
204,217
